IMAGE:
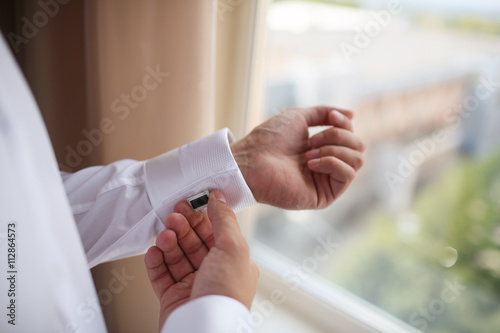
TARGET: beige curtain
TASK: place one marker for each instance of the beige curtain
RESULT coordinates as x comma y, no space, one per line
132,79
126,41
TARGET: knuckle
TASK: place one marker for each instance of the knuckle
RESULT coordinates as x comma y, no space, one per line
210,239
194,247
362,146
331,162
335,134
351,173
195,219
227,212
359,160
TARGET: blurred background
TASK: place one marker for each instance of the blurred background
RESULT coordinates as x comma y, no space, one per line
413,245
424,212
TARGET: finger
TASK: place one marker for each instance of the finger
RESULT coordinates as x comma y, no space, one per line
189,242
157,271
350,156
176,261
198,222
337,137
340,120
226,228
337,169
319,115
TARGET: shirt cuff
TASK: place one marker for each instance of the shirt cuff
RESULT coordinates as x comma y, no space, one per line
205,164
209,314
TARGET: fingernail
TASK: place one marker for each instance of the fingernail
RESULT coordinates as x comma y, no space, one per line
220,196
317,139
312,154
314,163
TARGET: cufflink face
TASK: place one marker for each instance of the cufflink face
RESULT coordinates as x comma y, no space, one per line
198,201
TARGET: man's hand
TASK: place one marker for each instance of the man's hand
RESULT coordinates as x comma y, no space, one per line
285,168
199,255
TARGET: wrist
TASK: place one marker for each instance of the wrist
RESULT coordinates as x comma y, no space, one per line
243,153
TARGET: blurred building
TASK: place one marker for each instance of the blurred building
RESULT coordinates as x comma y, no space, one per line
406,83
422,96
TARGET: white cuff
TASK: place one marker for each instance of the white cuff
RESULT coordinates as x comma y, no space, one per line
205,164
209,314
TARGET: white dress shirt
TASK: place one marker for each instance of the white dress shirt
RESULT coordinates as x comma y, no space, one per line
119,209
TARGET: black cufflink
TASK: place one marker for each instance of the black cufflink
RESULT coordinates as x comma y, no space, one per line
198,201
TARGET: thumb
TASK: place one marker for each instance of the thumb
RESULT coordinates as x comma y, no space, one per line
223,220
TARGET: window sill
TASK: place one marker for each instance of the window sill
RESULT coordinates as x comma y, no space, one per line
329,307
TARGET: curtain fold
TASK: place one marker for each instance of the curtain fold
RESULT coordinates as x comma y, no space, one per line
151,75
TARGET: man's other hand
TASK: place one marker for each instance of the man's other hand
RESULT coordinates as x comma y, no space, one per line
199,255
285,168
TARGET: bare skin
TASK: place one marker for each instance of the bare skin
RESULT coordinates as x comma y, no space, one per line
199,255
285,168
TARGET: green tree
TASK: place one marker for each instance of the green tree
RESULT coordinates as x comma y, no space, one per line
458,213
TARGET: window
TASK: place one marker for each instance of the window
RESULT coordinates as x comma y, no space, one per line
414,244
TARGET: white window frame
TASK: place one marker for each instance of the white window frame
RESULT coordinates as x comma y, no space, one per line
317,301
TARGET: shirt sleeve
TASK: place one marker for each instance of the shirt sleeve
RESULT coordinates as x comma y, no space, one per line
212,314
120,208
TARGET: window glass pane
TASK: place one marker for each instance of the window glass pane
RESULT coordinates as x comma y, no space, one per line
418,232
